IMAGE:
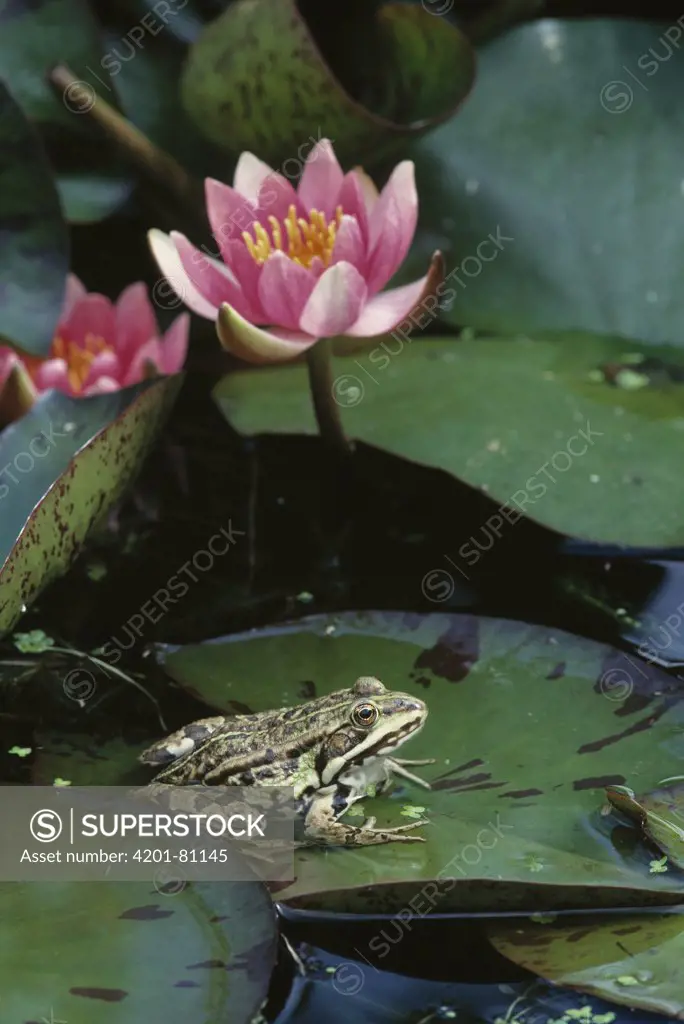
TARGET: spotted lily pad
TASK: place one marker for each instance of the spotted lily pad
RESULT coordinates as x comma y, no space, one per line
591,197
526,733
34,244
658,814
408,70
637,961
63,465
133,952
524,419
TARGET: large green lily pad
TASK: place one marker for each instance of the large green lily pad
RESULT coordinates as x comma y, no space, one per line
526,739
133,952
64,464
519,418
34,243
637,961
408,70
565,146
35,35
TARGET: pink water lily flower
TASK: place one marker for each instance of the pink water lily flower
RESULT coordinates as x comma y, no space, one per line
99,346
306,263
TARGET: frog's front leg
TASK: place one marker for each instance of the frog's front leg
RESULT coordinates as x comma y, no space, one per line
322,828
396,766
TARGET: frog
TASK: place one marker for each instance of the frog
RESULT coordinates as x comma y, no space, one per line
333,750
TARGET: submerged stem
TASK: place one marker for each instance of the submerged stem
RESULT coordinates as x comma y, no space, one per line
323,393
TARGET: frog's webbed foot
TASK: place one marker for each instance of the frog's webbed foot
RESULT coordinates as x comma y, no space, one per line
397,765
323,829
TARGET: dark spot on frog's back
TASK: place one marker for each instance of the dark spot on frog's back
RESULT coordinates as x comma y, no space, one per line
454,653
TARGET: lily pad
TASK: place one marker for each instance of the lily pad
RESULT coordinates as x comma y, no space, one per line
35,35
89,198
658,814
637,961
410,70
520,418
592,197
525,738
34,242
134,952
63,466
84,759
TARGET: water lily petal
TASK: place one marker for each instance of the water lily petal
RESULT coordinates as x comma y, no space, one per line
53,373
321,179
284,287
92,315
368,188
214,280
173,348
255,345
276,196
75,291
102,386
135,322
250,173
352,201
392,225
248,273
335,303
105,364
229,213
169,262
349,245
385,311
149,354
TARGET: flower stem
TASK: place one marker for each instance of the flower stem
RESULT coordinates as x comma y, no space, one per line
159,167
323,394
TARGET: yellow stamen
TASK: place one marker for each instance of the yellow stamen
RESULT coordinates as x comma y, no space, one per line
302,240
77,357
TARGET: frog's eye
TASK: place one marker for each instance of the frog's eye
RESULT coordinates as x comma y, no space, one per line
364,714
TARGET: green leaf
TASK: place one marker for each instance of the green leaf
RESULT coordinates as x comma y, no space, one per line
63,465
525,743
89,198
396,73
34,243
565,146
519,418
126,953
35,35
635,961
85,759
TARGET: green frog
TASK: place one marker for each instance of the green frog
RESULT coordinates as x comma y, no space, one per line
333,750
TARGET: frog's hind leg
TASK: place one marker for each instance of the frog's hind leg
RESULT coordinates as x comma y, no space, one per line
323,829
